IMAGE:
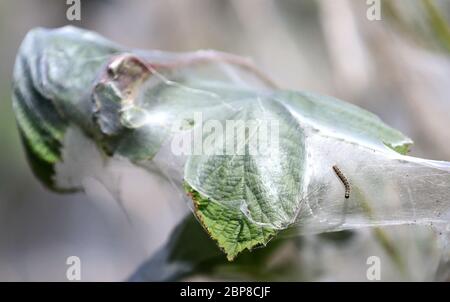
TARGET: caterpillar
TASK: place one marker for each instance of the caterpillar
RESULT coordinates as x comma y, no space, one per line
343,179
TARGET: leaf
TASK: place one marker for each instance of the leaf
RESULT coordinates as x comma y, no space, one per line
344,120
223,185
189,251
269,187
187,248
135,104
43,101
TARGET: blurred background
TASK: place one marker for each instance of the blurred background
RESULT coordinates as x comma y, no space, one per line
397,67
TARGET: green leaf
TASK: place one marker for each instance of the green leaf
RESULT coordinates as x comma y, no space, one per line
225,187
189,251
269,187
50,88
343,120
